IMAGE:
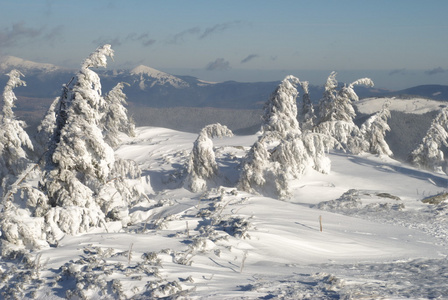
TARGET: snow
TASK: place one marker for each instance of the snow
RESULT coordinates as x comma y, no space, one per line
159,77
410,106
378,239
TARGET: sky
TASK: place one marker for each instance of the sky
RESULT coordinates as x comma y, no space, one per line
398,43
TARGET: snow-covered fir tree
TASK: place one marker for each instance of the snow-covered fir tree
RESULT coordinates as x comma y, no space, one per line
255,167
430,153
202,167
374,131
306,115
14,141
115,119
45,130
21,221
280,111
283,152
79,161
336,113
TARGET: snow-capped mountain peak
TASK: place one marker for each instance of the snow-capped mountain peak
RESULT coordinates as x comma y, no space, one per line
150,76
11,62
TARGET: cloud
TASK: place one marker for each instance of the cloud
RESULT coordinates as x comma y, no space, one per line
18,32
179,37
218,28
143,39
249,58
220,64
435,71
398,72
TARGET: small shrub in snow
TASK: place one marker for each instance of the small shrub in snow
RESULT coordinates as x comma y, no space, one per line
350,200
436,199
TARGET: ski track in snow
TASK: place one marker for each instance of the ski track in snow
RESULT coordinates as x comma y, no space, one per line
379,241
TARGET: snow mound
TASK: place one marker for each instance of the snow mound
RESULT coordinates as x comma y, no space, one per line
411,106
157,77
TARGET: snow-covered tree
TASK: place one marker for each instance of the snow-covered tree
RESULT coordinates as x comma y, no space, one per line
336,113
23,205
255,167
202,167
115,118
13,138
283,152
374,130
45,130
429,154
306,115
79,161
280,111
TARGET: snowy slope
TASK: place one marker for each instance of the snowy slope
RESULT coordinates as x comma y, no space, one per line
409,106
378,239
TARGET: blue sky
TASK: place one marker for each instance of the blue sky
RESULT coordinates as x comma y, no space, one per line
398,43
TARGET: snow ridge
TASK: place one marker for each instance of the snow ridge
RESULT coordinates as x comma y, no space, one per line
157,77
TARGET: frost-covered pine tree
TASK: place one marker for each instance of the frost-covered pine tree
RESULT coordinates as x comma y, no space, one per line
374,131
283,152
429,154
255,167
280,111
336,113
45,130
13,138
202,167
79,161
115,118
306,116
23,205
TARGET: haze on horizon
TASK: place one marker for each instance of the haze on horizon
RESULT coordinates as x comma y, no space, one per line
397,43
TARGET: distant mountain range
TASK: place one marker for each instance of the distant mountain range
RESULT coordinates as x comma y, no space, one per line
185,103
153,88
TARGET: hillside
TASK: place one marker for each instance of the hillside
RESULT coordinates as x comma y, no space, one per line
377,240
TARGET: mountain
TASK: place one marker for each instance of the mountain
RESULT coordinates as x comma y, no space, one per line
371,229
430,91
187,103
156,77
10,62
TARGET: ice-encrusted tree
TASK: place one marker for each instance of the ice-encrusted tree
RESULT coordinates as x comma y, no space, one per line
429,154
21,221
79,161
45,130
115,118
283,152
202,167
336,113
14,141
306,116
280,111
255,167
374,131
